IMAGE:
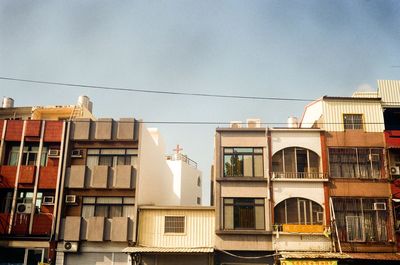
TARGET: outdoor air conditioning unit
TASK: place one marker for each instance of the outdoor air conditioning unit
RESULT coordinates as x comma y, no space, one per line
70,246
48,200
70,199
76,153
379,206
24,208
395,170
236,124
53,153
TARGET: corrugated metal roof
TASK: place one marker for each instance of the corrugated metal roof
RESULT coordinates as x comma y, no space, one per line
375,256
167,250
314,255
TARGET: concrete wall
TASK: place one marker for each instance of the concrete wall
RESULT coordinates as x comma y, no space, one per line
287,242
295,138
310,190
155,179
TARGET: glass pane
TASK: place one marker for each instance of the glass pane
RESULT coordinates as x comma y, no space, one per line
314,162
258,150
101,210
248,165
89,199
302,161
87,211
277,162
109,200
242,150
121,160
115,211
244,216
258,166
260,217
279,213
228,150
228,201
292,211
128,211
13,159
92,161
289,160
129,200
228,217
106,161
132,151
112,151
93,151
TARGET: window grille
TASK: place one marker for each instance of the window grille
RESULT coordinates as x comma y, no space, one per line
174,224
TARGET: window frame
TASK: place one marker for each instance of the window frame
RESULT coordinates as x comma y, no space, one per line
252,153
175,233
296,164
109,205
352,124
357,165
234,204
308,206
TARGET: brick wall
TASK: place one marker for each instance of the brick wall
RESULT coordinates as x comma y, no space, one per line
8,174
53,131
48,177
14,130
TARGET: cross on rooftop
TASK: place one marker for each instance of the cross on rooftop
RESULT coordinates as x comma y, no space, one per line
178,149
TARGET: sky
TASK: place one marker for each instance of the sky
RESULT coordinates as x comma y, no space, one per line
294,49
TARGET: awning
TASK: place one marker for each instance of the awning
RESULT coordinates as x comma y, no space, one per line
375,256
167,250
314,255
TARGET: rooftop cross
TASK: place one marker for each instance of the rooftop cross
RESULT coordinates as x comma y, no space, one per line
178,149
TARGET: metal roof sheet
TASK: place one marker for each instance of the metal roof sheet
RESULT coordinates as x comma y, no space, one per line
167,250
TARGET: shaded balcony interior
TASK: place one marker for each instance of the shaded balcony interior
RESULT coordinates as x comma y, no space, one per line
296,163
299,215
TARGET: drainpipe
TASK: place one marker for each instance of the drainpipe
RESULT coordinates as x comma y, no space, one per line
3,135
60,182
14,201
140,150
35,187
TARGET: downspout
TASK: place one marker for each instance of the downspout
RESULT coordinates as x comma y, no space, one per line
140,150
61,185
3,135
14,201
59,188
35,187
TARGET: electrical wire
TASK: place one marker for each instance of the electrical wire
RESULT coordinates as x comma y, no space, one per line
247,257
126,89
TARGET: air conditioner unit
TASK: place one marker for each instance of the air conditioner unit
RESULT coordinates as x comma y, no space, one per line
236,124
24,208
253,123
48,200
395,170
379,206
53,153
70,246
70,199
76,153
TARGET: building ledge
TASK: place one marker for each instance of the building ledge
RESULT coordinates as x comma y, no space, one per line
243,232
298,180
242,179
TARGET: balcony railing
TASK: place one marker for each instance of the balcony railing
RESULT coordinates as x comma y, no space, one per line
298,175
41,224
183,158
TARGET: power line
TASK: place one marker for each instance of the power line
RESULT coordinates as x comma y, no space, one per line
126,89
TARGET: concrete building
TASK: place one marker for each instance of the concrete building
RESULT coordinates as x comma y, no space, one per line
242,195
300,193
174,235
359,187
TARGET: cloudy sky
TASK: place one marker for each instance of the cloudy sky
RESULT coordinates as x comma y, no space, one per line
296,49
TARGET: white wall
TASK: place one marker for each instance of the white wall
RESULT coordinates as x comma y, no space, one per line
310,190
312,112
155,180
295,138
301,243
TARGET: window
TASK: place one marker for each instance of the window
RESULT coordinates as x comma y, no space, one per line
355,162
112,157
295,162
174,224
360,220
243,162
353,121
298,211
27,197
29,156
243,213
198,181
198,200
108,207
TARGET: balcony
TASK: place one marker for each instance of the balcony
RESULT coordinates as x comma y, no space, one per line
97,229
101,177
47,176
299,176
300,228
41,224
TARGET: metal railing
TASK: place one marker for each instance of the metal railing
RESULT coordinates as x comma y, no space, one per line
183,158
298,175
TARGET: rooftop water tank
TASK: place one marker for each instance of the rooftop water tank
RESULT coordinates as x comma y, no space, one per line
292,122
8,102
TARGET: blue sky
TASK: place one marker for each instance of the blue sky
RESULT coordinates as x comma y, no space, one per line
260,48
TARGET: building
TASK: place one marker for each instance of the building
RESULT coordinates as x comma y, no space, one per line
359,187
299,190
242,195
31,164
187,179
174,235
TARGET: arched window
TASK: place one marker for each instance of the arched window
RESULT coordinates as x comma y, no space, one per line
298,211
295,162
